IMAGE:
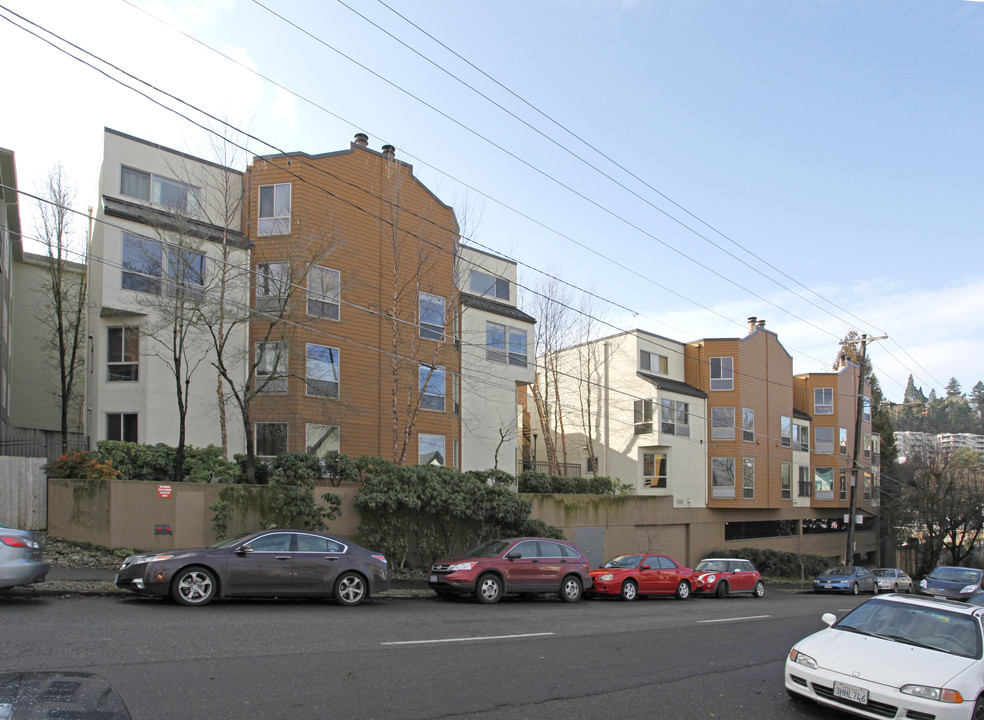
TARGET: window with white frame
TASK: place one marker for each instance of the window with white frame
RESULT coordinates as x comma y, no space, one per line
748,424
642,412
674,417
875,444
785,431
823,438
723,477
786,479
123,354
121,427
321,439
431,312
432,387
271,439
823,482
748,478
722,373
322,371
272,284
430,449
801,437
805,485
868,481
723,423
653,362
843,441
505,344
823,401
843,485
271,367
654,469
143,264
867,445
274,211
323,292
482,283
866,410
171,194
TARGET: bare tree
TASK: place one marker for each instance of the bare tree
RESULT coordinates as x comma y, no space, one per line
65,286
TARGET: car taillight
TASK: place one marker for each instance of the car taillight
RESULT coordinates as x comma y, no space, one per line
14,541
381,558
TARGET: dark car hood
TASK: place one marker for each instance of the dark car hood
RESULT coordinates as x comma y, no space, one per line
84,696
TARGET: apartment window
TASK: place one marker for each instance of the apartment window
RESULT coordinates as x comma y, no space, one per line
722,373
123,353
271,367
143,264
801,437
843,485
804,481
843,441
651,362
723,477
643,416
748,424
185,273
823,481
323,292
505,344
482,283
272,284
121,426
786,476
748,478
875,444
823,401
432,388
322,371
786,431
823,437
867,485
162,191
271,439
321,439
723,423
866,410
274,215
430,449
867,445
654,470
674,418
431,309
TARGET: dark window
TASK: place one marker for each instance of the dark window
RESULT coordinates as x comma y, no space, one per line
122,427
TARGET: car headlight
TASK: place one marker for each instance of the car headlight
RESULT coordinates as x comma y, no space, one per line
802,659
709,579
151,558
462,566
607,577
933,693
969,589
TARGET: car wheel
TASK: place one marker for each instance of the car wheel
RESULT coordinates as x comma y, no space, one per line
629,590
489,589
759,590
571,590
683,590
722,590
194,585
350,589
875,589
855,589
978,710
895,588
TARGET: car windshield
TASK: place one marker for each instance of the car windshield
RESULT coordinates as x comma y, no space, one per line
883,572
839,570
624,561
955,574
711,566
231,542
492,548
929,627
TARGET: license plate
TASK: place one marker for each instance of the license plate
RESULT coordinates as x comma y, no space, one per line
433,578
851,692
828,587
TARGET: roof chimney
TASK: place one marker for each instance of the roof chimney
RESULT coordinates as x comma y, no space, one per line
761,324
389,152
751,324
362,139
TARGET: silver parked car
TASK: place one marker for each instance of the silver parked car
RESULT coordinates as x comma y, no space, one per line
892,580
20,557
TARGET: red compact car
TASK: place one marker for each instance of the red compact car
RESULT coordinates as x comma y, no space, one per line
727,576
629,576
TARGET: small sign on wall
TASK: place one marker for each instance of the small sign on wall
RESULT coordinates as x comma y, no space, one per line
164,491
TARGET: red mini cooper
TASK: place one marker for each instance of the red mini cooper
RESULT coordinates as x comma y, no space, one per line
727,576
628,576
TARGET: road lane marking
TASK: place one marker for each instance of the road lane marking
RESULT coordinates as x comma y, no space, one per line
466,639
721,620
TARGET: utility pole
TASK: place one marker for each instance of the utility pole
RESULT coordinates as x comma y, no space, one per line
855,465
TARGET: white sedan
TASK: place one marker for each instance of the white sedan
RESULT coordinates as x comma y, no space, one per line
895,656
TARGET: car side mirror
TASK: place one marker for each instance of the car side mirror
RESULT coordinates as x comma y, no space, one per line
829,618
514,555
646,567
244,549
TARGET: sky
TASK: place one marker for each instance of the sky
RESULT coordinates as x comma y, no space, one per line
685,163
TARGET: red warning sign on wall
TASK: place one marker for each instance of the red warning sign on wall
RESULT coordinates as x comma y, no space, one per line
164,491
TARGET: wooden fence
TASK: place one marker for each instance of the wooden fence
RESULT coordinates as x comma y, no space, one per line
23,492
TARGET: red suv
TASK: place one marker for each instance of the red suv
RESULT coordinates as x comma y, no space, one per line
515,565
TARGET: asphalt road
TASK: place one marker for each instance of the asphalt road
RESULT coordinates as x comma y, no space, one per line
425,658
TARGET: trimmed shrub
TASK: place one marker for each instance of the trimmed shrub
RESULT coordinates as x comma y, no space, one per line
778,563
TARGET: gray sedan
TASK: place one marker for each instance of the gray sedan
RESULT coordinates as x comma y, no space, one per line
892,580
20,558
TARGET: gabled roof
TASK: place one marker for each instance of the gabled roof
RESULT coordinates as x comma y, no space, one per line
126,210
496,308
675,386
